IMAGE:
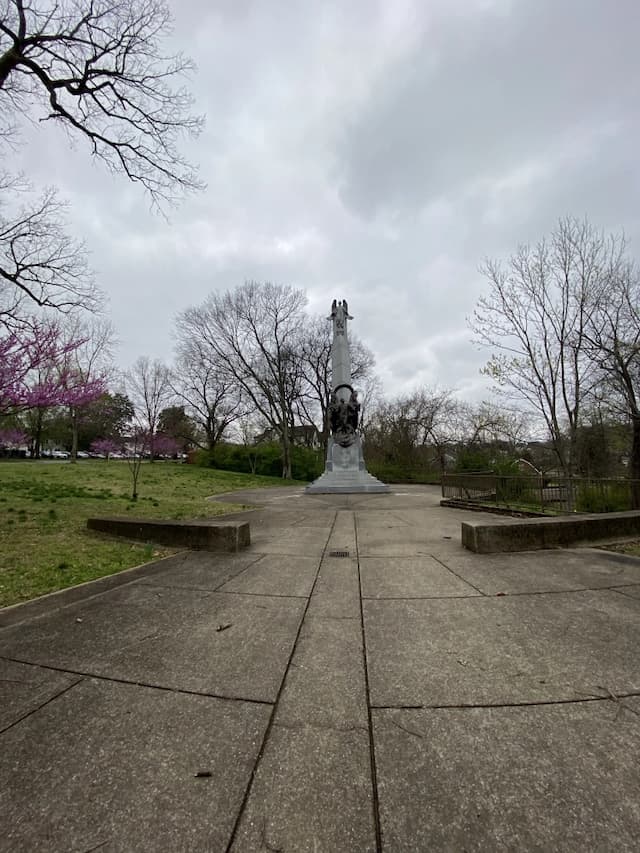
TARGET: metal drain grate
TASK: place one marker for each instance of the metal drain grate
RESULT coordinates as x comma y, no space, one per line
338,553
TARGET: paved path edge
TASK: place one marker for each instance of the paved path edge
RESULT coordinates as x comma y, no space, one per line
15,613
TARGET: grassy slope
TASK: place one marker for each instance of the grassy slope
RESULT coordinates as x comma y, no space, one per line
44,506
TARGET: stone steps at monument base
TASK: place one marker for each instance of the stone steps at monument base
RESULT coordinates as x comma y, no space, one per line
341,480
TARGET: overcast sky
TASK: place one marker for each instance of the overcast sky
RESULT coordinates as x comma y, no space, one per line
373,151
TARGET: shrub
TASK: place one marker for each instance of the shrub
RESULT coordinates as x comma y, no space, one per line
603,497
510,490
390,472
265,459
473,459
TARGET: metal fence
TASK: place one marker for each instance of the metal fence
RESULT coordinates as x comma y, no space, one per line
549,495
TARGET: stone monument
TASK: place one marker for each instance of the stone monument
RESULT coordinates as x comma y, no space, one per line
345,471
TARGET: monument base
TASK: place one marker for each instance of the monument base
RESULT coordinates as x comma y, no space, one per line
345,472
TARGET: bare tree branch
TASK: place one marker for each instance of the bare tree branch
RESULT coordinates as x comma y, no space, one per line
39,262
98,70
212,398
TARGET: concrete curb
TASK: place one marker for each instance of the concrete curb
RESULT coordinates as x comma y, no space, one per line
196,534
15,613
532,534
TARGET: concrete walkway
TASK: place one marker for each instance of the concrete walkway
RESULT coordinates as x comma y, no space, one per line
354,681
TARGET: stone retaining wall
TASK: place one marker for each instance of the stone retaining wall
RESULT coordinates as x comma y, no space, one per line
530,534
198,535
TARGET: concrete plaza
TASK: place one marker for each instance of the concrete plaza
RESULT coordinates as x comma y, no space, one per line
353,681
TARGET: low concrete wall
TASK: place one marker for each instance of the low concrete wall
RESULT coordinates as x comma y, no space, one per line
198,535
531,534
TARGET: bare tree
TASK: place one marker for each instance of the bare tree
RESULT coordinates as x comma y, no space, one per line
98,70
490,423
150,391
248,431
401,430
535,318
139,446
253,333
613,338
210,394
370,396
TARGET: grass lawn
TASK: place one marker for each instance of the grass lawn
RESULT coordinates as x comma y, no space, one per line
630,548
44,506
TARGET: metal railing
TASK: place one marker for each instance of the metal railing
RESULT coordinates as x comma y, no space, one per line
544,494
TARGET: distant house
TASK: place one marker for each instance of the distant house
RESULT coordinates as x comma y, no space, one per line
305,435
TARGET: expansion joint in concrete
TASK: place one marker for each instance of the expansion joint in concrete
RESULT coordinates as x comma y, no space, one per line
574,591
258,594
416,597
133,683
319,727
605,696
271,722
464,580
41,706
333,618
620,589
375,799
527,593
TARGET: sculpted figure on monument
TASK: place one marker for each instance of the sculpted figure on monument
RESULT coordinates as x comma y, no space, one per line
343,419
343,415
339,315
354,410
333,413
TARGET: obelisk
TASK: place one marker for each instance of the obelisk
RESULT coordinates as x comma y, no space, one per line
340,355
345,471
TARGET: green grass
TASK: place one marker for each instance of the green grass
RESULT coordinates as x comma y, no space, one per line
44,506
630,548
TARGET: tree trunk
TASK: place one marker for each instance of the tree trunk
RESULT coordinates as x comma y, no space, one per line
8,62
74,435
37,438
286,453
210,432
635,463
571,485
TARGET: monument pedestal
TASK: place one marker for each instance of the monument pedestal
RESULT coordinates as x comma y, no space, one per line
345,472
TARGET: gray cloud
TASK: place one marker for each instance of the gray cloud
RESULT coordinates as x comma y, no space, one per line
373,151
482,94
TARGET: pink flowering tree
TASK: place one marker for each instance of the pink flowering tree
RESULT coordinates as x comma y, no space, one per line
165,445
37,373
12,439
105,447
21,357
